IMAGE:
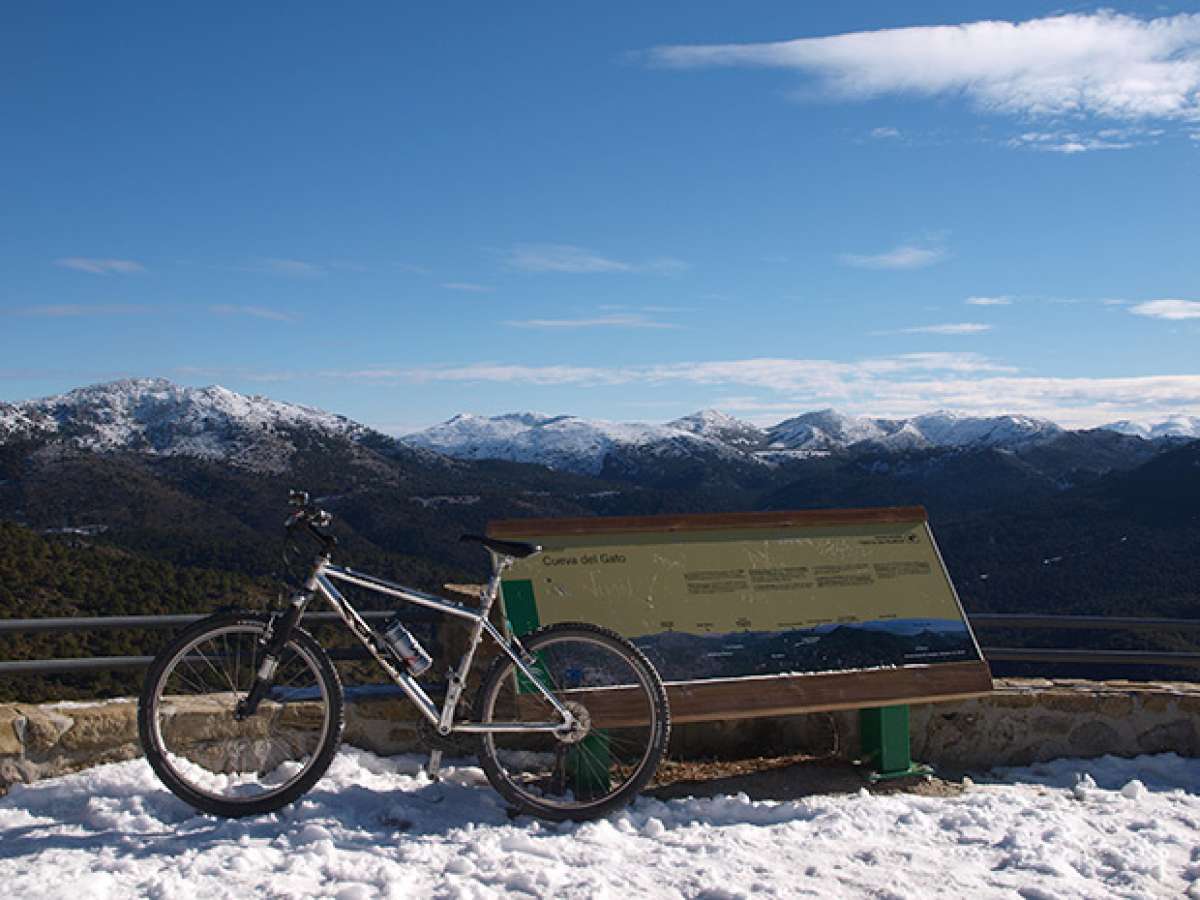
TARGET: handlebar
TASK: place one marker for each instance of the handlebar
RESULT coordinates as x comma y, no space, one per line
310,517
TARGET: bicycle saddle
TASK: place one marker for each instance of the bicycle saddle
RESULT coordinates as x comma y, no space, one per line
515,549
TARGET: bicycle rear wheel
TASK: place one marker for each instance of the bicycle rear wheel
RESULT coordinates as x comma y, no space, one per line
208,757
620,702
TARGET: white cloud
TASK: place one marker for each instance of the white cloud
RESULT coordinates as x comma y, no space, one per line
256,312
1079,402
74,310
1168,309
616,320
884,132
497,373
467,286
948,328
988,301
906,256
100,266
569,258
239,373
1103,64
774,373
1073,402
1070,142
295,267
900,385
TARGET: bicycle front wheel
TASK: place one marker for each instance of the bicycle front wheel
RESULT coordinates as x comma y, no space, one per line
215,761
616,697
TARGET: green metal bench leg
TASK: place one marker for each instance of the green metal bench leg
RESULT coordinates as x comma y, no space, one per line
883,734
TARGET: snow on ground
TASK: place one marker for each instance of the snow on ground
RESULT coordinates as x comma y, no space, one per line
372,828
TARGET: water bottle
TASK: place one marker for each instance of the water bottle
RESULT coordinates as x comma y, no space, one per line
405,646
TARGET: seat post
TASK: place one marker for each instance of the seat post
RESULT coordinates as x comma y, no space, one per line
499,564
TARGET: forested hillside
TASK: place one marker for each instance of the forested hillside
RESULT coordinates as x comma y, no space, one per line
42,577
1081,522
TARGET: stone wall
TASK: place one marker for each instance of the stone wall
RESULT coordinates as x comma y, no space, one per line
1032,720
1021,722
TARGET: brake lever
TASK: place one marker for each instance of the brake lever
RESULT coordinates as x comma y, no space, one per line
328,541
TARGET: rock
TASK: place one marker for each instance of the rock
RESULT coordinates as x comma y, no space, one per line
11,725
1178,736
99,727
1093,739
43,728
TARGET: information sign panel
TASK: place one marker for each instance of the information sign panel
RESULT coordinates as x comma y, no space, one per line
750,614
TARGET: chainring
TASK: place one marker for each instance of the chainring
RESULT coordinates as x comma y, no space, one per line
452,744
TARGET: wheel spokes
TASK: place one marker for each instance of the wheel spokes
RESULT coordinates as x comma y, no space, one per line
204,742
583,769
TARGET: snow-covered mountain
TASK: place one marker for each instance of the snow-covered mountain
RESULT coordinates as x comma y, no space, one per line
828,429
156,416
721,427
1174,427
570,443
583,445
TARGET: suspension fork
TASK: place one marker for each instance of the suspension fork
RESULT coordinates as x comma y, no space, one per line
279,631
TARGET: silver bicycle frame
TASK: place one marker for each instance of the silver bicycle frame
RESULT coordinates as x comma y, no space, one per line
443,719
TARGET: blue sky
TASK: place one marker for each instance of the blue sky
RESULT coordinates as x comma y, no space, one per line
399,212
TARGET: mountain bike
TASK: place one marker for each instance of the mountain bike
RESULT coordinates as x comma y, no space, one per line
243,712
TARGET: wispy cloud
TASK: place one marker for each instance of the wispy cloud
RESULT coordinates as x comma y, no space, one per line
898,385
411,268
774,373
1103,64
989,301
243,374
256,312
906,256
467,286
96,266
616,320
1174,310
77,310
624,307
884,132
1073,402
946,328
297,268
1076,142
578,260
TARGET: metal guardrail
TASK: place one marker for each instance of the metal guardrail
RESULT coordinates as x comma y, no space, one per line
119,623
1111,623
1087,623
980,621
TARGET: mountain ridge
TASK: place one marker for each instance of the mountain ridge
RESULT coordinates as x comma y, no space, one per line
158,417
574,443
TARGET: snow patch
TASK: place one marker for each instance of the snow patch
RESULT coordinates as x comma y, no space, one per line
376,827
